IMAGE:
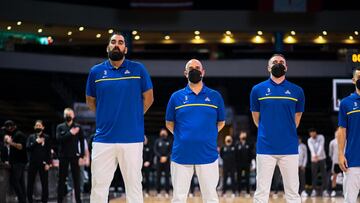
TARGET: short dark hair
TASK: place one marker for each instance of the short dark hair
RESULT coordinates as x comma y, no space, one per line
9,123
119,33
312,130
356,69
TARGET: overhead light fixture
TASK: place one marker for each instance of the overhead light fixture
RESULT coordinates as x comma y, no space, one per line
110,31
259,32
197,40
81,28
350,40
227,39
69,33
258,40
8,27
290,40
134,32
324,33
320,40
356,32
98,35
137,37
167,37
228,32
293,33
18,23
40,30
197,32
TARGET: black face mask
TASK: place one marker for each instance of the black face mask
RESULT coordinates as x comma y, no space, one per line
68,118
116,54
358,84
195,76
278,70
38,130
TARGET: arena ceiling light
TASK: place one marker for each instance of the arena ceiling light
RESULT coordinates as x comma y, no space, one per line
8,27
356,32
110,31
259,33
81,28
320,40
293,33
290,40
18,23
134,32
69,33
258,39
197,40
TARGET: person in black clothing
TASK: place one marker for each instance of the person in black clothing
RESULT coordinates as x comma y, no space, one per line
244,155
68,135
39,151
227,153
17,158
162,150
147,163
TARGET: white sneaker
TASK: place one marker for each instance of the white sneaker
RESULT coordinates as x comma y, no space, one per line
304,194
159,195
313,193
325,194
275,196
146,194
166,195
232,195
247,195
191,195
333,193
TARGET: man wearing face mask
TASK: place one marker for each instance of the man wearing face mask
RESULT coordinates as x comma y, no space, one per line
195,115
39,149
244,155
228,155
349,141
15,141
162,150
68,135
277,105
120,91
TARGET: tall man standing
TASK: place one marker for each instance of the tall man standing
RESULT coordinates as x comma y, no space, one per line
277,105
349,134
195,115
120,91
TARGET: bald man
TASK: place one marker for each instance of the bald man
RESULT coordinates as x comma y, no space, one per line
277,105
195,115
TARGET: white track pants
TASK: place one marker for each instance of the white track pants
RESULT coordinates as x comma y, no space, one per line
208,175
265,166
105,158
351,185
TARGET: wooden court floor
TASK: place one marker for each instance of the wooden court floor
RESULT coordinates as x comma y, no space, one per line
229,199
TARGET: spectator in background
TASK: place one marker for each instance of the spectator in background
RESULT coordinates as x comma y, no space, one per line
147,164
15,141
68,135
316,144
244,155
39,150
335,168
228,155
162,150
303,157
